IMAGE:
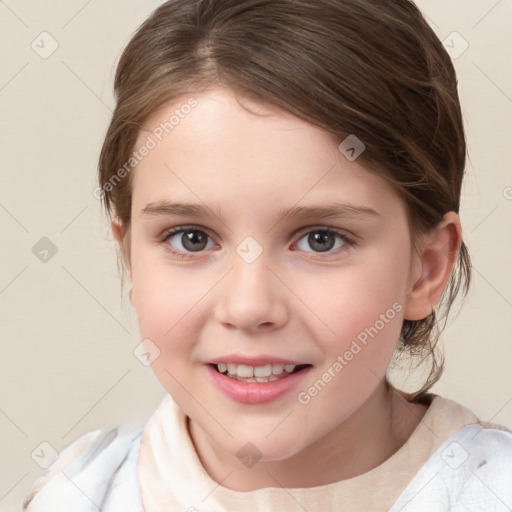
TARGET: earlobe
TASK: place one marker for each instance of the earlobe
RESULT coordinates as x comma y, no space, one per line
435,263
117,230
124,241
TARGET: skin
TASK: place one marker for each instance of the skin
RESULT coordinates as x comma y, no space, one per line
289,302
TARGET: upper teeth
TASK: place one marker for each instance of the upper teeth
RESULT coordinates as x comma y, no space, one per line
243,370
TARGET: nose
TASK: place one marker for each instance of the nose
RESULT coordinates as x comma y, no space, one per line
251,296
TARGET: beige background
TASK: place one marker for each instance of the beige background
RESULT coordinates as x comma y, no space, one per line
67,363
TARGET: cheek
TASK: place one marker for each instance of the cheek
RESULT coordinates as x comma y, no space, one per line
167,302
167,308
356,312
359,327
351,299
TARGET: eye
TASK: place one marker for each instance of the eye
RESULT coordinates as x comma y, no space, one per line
189,238
183,241
323,240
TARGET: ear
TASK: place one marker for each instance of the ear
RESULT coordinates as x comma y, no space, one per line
123,239
432,267
117,230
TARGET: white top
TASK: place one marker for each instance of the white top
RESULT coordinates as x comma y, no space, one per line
451,462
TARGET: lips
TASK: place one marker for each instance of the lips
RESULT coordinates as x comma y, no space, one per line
256,390
260,360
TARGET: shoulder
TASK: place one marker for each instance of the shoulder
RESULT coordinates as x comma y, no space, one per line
484,445
83,471
471,470
486,482
469,442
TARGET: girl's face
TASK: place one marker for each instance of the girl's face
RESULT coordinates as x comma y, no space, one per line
252,285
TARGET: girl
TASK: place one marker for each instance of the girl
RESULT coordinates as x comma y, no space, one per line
313,151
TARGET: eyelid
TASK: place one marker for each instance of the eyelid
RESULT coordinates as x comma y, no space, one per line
181,228
326,227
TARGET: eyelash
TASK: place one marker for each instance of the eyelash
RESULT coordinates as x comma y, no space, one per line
348,242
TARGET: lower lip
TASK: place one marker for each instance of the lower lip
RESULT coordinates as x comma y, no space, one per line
255,392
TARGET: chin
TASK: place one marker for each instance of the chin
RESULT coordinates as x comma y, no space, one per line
263,449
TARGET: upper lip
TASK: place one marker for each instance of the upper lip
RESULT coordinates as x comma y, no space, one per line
260,360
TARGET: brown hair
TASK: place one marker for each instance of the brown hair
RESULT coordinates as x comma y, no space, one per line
373,68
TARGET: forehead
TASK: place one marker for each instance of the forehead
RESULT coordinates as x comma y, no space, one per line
216,146
220,116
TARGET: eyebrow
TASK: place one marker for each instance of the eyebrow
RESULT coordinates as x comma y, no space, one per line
320,212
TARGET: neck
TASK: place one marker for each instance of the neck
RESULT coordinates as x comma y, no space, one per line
365,440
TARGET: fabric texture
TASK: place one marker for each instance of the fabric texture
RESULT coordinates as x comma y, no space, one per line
451,462
98,472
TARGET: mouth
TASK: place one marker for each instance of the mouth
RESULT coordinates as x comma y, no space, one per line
270,380
261,374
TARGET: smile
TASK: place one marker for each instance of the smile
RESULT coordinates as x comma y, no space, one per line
265,373
256,384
